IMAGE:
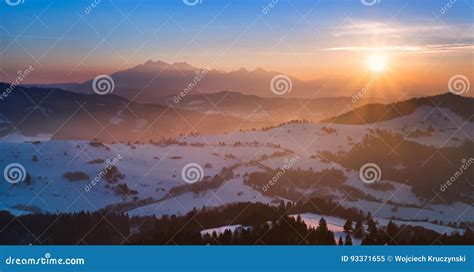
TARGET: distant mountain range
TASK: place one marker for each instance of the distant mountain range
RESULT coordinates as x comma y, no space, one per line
152,80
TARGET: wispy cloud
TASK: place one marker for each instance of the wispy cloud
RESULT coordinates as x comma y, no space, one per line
371,48
424,49
420,31
361,28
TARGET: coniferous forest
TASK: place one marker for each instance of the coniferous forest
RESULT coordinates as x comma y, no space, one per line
264,225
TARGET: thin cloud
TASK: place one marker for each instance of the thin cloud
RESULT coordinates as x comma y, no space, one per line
424,49
371,48
378,28
424,30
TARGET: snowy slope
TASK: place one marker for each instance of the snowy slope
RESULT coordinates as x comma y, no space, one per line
153,170
150,170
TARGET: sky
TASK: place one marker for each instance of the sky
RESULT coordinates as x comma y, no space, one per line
73,41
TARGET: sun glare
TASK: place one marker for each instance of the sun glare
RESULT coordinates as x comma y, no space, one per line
377,63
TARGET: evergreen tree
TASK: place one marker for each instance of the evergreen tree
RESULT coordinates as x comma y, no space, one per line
348,241
282,206
323,226
341,243
392,231
323,234
369,216
348,226
372,237
372,227
359,230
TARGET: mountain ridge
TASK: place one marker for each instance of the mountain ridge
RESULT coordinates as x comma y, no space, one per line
152,80
62,113
371,113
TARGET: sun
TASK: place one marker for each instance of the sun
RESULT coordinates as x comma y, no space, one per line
377,63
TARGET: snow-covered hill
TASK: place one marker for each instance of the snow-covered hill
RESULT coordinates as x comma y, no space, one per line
155,186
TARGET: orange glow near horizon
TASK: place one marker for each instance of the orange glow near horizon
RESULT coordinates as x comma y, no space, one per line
341,71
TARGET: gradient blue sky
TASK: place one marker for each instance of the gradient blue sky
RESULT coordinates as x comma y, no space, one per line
308,39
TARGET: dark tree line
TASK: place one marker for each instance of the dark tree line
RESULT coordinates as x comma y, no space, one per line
262,224
285,231
392,234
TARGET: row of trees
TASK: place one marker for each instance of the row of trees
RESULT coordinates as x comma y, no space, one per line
264,225
284,231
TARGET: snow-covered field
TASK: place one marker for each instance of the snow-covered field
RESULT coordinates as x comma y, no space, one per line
441,127
152,171
336,225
